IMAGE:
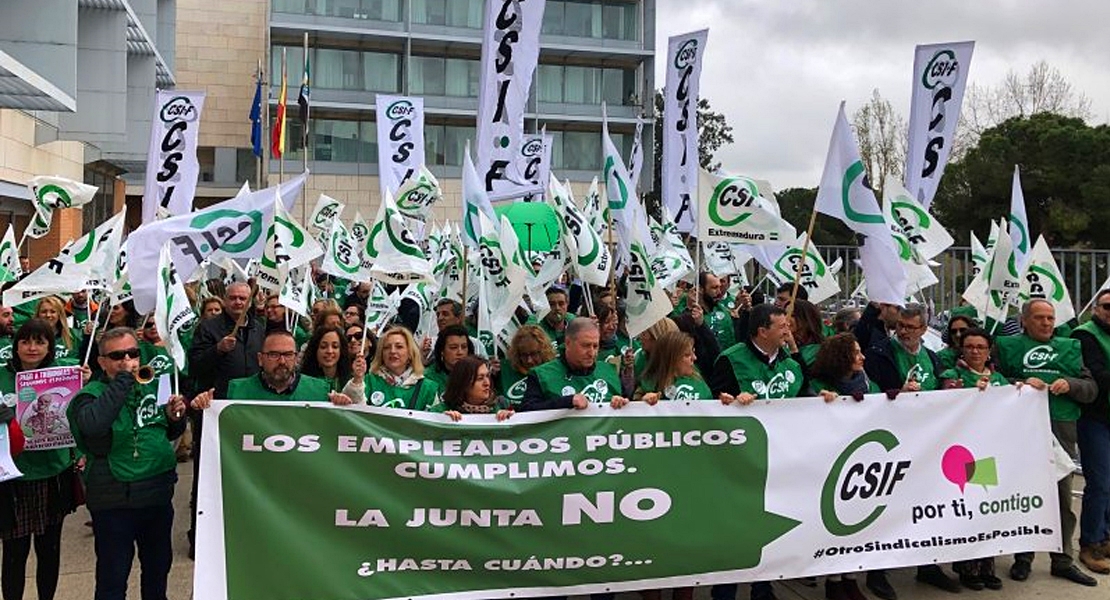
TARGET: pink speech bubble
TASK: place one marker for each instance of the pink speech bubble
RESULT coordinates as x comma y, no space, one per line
954,465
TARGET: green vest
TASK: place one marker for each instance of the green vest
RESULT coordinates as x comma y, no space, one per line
1021,357
948,358
683,388
599,386
433,374
34,464
6,350
140,448
719,321
380,393
639,363
1100,336
512,383
970,378
556,337
808,354
156,357
309,389
919,366
783,379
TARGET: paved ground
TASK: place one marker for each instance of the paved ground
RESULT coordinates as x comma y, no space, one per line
78,562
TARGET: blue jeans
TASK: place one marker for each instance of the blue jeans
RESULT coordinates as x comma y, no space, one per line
727,591
117,533
1094,451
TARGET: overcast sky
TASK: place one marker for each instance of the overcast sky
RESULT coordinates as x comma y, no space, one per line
778,69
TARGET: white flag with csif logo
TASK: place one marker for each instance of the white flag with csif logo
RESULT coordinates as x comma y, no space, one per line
939,79
510,50
234,228
172,313
327,209
400,140
172,168
680,126
734,209
1043,279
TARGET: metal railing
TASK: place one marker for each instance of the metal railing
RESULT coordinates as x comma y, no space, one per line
1084,271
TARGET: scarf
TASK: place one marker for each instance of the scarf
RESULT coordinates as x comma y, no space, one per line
856,383
476,409
406,379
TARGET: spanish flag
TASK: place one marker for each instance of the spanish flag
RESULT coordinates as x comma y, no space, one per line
277,144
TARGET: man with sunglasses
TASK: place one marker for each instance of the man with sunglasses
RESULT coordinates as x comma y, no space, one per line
131,468
1093,429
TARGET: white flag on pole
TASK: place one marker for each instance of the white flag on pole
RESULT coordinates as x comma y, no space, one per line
907,217
288,246
295,294
172,312
587,251
1043,279
235,228
939,78
503,280
52,193
680,126
731,209
399,260
400,121
10,269
342,257
327,209
172,167
645,300
475,202
816,276
1018,222
418,194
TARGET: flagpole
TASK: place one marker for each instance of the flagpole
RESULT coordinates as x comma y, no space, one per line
801,266
697,270
262,139
284,122
304,126
465,270
613,270
92,334
264,181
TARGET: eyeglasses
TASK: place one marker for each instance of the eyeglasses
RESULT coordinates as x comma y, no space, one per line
957,331
530,355
908,326
122,354
354,337
274,355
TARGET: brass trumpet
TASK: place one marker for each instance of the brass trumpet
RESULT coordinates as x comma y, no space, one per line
145,374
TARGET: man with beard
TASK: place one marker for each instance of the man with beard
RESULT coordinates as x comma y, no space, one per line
278,379
714,305
554,324
7,330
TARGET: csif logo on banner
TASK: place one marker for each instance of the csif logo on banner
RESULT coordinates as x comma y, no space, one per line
812,269
229,230
730,199
862,476
177,115
401,114
1044,284
939,76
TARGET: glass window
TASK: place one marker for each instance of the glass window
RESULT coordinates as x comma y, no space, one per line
381,71
618,85
294,64
368,133
382,10
337,69
465,13
429,12
583,19
556,149
554,15
335,141
582,85
619,21
455,138
427,76
582,150
463,76
434,149
549,83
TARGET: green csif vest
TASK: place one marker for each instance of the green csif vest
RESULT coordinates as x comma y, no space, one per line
1020,357
599,386
781,380
140,448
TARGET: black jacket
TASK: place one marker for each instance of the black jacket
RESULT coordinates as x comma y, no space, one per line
870,329
881,367
94,417
705,343
210,368
1098,364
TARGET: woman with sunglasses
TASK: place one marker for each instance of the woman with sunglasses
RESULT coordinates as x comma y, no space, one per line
327,357
355,343
529,348
957,327
33,507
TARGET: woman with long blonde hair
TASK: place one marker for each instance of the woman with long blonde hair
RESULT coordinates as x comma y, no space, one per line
670,373
396,377
52,310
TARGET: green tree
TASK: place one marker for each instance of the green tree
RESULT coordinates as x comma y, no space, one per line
713,133
796,204
1065,174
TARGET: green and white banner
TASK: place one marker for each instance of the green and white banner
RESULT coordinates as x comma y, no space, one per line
398,504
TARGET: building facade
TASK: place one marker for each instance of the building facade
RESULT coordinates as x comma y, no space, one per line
592,51
77,82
